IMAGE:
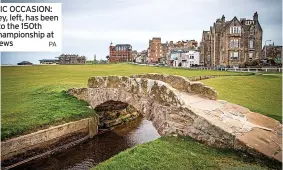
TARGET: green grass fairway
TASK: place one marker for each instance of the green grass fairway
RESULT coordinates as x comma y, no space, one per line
262,94
32,96
176,153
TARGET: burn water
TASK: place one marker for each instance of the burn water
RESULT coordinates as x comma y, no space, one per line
99,148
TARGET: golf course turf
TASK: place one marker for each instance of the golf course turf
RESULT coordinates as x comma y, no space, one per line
33,97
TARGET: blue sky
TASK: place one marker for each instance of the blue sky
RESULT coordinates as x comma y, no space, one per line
90,26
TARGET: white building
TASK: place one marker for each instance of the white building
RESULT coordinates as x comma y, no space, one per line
185,60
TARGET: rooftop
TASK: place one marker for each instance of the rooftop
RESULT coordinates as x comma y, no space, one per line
48,60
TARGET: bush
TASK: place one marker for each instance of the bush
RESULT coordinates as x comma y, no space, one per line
255,62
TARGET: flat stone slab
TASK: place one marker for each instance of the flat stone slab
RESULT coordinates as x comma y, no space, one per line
255,133
261,141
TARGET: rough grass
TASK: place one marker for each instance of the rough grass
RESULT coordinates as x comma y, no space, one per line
38,108
179,153
32,96
262,93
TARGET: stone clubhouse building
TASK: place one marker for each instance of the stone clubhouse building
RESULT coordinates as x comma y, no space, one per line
231,43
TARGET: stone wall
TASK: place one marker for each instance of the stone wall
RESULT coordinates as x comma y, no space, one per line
38,139
114,113
183,84
157,90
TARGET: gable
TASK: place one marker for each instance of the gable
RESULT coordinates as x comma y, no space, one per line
234,22
258,26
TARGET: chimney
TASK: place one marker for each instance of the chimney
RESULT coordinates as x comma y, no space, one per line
223,19
255,16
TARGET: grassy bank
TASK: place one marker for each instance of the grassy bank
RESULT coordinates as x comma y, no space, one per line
32,96
262,94
176,153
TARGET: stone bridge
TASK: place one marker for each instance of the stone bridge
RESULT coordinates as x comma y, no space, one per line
177,106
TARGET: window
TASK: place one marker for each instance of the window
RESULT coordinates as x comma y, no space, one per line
251,55
249,22
235,30
231,43
234,43
251,43
234,55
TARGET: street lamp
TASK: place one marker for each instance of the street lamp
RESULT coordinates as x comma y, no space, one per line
265,48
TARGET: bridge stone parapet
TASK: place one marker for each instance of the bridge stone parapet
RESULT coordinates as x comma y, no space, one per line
182,84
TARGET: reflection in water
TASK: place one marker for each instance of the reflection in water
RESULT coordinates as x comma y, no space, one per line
100,148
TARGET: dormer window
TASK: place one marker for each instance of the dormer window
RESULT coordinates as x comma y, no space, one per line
249,22
235,30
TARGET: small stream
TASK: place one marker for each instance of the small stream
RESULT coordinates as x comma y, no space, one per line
100,148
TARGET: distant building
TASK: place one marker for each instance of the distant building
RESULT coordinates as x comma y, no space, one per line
205,48
272,51
154,50
174,57
191,58
164,52
141,57
134,54
159,52
120,53
24,63
184,58
48,61
231,43
71,59
183,44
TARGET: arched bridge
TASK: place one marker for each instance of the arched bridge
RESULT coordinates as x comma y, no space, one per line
178,106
